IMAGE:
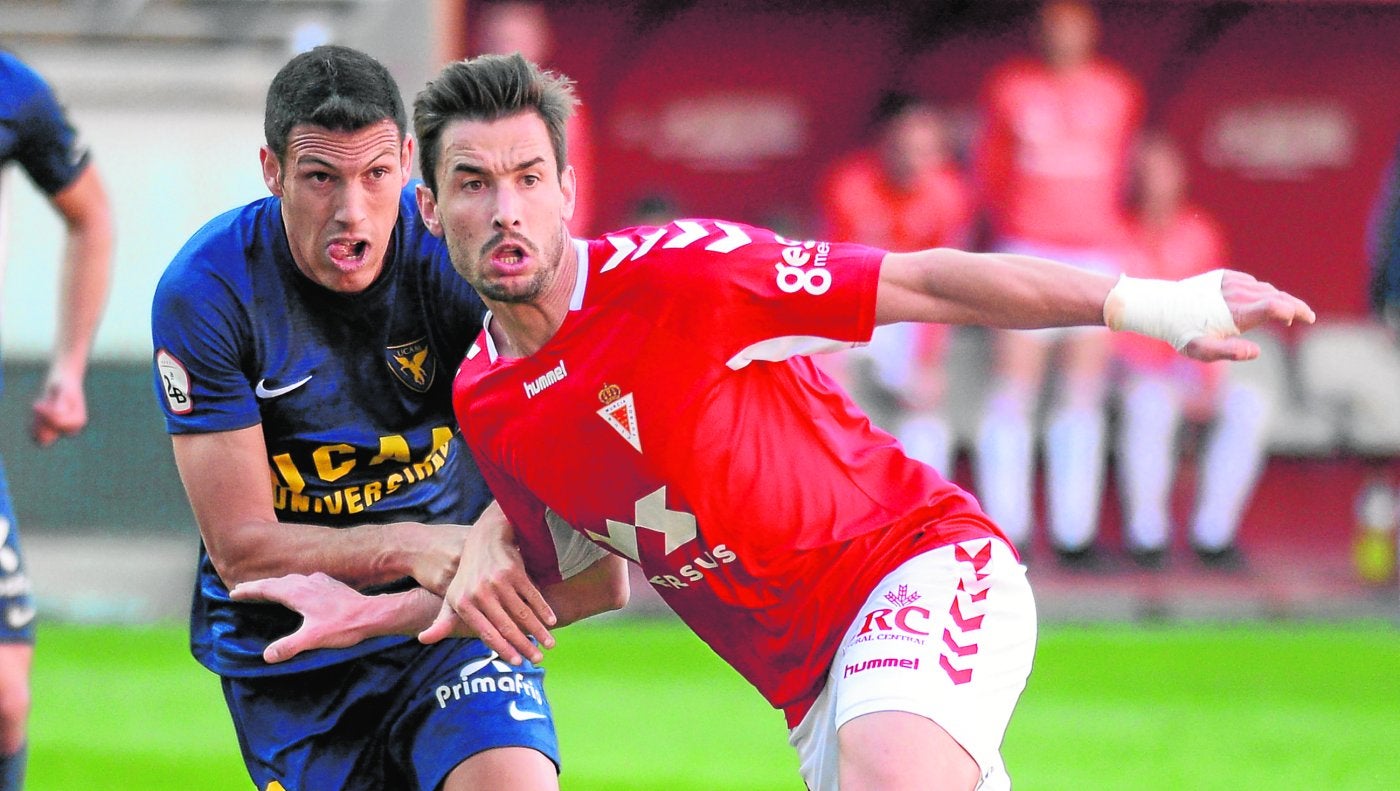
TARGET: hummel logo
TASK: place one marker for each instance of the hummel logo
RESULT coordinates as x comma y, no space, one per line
523,716
265,392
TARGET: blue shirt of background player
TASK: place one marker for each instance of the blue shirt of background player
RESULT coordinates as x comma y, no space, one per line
353,392
34,130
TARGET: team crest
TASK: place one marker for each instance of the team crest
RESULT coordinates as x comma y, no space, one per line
413,364
620,411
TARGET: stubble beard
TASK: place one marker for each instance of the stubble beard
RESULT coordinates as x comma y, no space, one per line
549,259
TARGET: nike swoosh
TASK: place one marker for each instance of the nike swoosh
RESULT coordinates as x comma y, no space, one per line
262,391
517,714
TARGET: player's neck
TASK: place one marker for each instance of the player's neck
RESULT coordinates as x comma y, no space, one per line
519,329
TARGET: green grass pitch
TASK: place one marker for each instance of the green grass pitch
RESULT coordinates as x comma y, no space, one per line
641,704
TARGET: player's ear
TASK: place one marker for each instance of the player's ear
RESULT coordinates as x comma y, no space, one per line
406,158
272,170
568,184
427,207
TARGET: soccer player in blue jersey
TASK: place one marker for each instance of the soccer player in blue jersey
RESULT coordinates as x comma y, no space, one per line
304,351
36,133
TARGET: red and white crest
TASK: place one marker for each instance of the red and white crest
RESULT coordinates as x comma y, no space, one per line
620,411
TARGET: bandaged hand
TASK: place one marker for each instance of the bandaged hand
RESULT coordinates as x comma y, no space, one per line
1202,316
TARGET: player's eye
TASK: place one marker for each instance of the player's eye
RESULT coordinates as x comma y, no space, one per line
530,179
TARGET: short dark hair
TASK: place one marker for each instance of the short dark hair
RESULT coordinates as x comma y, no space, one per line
334,87
487,88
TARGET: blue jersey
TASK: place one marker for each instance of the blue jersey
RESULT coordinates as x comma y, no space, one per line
33,129
353,393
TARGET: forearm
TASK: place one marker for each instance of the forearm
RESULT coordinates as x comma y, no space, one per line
359,556
949,286
231,493
86,271
600,588
406,613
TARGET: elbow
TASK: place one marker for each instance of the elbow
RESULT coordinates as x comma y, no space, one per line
237,554
619,595
234,568
616,590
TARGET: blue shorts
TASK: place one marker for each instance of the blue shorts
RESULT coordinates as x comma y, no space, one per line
16,591
402,718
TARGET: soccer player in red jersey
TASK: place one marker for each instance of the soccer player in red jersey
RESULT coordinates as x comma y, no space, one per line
650,390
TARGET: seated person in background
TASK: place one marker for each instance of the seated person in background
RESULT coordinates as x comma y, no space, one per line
904,193
1172,239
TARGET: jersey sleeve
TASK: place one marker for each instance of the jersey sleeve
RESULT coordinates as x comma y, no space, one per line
200,335
756,294
48,147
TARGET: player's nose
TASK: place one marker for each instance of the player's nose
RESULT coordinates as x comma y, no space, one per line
353,207
508,208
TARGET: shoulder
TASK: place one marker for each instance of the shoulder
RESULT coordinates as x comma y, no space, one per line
25,98
1114,76
224,252
1012,73
679,248
428,257
17,78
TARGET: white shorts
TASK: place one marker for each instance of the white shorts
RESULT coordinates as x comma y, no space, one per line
949,635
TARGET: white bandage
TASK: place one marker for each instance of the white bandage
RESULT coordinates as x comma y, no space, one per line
1176,311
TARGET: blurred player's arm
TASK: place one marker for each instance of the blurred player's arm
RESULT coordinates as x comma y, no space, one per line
60,408
1201,316
230,491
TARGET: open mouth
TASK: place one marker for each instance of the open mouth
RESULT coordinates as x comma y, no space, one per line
510,258
348,253
509,254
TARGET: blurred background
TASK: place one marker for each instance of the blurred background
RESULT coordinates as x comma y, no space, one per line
1285,111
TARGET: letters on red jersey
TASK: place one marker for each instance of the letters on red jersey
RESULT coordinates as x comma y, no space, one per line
674,420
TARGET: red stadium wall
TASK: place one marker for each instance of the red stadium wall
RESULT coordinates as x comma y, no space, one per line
733,109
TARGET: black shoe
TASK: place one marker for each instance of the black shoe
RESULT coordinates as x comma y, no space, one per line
1083,559
1149,559
1228,558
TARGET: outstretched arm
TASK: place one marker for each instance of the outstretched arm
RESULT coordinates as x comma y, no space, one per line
334,615
1201,316
61,407
230,491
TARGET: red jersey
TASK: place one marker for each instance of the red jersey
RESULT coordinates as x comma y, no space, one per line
674,420
1053,153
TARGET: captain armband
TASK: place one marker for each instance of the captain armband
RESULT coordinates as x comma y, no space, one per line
1176,311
